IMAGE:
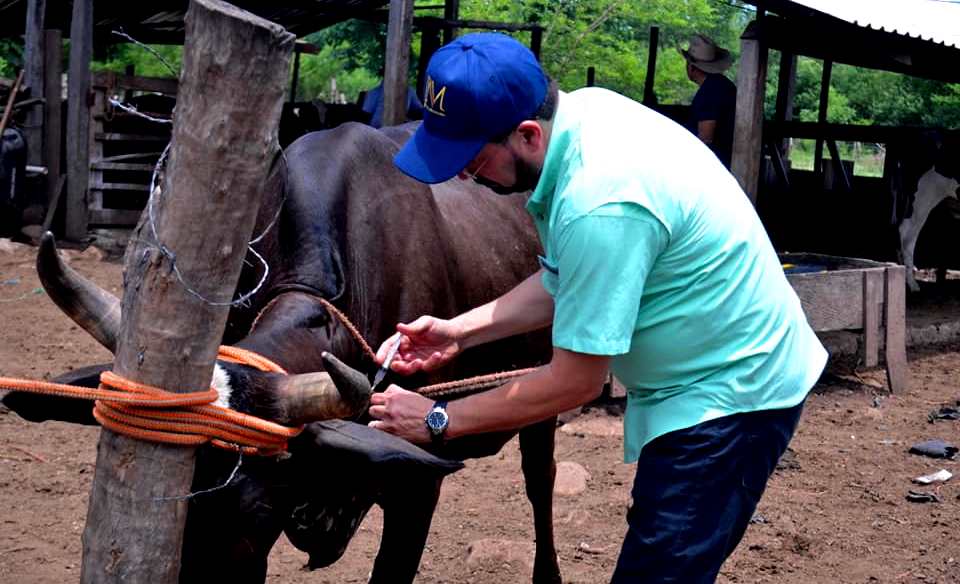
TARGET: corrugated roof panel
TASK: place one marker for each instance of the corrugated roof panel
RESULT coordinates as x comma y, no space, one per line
930,20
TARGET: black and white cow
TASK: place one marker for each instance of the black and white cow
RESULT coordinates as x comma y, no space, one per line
929,181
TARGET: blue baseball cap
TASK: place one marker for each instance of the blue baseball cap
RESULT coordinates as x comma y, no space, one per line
479,87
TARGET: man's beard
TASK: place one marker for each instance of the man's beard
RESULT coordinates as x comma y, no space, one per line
527,177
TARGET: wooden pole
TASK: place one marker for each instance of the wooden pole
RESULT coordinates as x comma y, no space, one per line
451,11
78,120
649,98
536,41
429,43
52,128
232,83
748,126
295,77
786,91
822,114
33,59
399,30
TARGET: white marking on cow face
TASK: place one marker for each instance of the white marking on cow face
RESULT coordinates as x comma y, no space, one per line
221,383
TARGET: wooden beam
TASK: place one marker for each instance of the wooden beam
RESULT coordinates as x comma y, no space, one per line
822,113
649,98
33,60
112,79
536,41
895,351
841,132
78,120
235,67
429,43
451,11
399,30
748,125
786,92
52,123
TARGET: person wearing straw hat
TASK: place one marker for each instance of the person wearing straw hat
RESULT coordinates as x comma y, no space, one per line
714,105
663,274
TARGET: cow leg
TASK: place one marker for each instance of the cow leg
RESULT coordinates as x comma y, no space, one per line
539,473
908,241
230,531
407,513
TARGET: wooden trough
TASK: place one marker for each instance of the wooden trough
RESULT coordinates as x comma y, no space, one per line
839,293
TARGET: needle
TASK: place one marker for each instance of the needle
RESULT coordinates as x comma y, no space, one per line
386,363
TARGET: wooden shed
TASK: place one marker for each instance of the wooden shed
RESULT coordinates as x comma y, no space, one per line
92,184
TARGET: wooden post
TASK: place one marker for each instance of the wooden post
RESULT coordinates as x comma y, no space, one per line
786,91
649,98
295,78
591,76
232,85
429,43
822,114
872,301
78,120
399,29
895,351
451,11
52,124
33,59
536,41
748,126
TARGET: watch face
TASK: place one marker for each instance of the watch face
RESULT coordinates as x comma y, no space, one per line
437,421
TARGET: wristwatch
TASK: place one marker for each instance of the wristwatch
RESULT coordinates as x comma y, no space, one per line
437,421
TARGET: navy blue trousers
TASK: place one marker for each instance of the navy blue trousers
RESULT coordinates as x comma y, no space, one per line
694,494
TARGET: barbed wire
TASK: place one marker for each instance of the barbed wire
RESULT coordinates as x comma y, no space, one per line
149,49
224,485
133,110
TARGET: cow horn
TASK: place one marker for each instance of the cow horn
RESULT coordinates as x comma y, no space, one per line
340,392
93,308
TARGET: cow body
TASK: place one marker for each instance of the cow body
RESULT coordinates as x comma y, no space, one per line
929,173
342,224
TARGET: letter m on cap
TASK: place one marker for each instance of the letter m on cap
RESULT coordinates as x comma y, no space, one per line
434,98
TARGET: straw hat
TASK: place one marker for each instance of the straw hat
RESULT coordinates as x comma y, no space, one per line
704,54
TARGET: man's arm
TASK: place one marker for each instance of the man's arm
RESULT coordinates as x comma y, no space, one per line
569,380
526,307
429,342
706,130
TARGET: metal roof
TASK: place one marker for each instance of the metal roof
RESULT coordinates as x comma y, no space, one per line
929,20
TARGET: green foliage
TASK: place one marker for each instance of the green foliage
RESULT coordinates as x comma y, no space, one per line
11,57
145,63
613,36
351,53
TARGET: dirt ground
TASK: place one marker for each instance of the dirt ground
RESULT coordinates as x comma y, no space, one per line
836,511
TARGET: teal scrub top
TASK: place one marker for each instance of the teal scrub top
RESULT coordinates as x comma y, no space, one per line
654,256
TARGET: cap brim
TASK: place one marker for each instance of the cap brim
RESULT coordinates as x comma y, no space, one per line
433,159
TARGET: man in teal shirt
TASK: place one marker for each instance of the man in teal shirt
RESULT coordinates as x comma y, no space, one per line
655,266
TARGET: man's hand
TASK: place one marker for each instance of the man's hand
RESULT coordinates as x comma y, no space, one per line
427,343
402,413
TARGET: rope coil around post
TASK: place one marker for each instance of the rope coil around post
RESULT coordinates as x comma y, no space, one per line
149,413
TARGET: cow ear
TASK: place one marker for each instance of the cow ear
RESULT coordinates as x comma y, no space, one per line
365,445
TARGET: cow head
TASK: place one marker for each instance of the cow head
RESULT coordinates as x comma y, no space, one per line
338,392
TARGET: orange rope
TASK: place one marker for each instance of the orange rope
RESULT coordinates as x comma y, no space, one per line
149,413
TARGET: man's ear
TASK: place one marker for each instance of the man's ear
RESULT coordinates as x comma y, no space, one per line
531,135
